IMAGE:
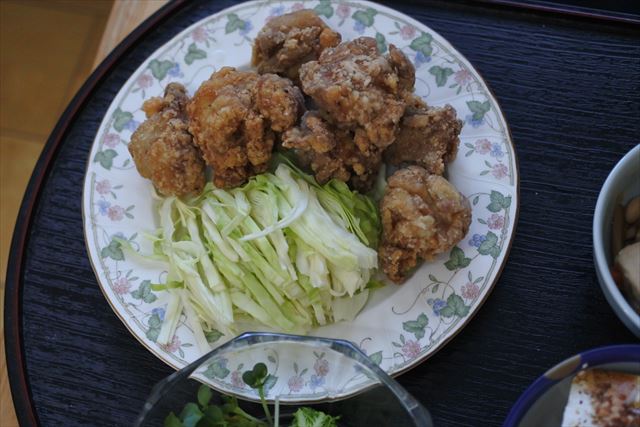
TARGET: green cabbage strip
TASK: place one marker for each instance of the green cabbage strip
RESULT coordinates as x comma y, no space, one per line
282,251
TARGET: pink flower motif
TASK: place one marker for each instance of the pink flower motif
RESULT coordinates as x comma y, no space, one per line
343,11
495,222
111,140
407,32
121,285
236,379
470,290
462,77
115,213
199,35
499,171
295,383
321,367
145,81
483,146
411,349
173,345
103,187
296,7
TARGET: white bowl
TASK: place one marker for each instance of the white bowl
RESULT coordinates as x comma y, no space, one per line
624,180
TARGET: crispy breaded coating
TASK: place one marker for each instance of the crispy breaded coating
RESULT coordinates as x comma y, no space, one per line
422,215
331,152
428,137
163,149
233,116
290,40
360,88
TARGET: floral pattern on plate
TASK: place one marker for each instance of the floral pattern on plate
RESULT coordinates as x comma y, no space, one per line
401,325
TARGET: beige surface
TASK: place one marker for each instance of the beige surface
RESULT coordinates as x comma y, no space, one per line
47,50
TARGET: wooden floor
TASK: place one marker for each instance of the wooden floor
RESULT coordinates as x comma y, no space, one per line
47,50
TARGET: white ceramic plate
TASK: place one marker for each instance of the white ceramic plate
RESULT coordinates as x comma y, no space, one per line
401,325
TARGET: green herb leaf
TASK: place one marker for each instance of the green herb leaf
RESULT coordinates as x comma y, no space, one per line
190,415
204,395
422,44
159,69
172,421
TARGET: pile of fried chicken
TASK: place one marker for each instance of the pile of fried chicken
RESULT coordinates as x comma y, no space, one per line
340,108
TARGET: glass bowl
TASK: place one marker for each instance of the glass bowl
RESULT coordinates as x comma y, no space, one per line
383,400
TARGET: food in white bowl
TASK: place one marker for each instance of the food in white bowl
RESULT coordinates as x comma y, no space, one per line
625,248
621,187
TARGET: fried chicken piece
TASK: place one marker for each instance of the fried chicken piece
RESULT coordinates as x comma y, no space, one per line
331,152
428,137
360,88
290,40
233,116
423,215
163,149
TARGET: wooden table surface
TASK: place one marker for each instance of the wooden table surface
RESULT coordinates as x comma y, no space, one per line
124,17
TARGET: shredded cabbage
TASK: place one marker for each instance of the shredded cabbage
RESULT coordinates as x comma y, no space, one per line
282,251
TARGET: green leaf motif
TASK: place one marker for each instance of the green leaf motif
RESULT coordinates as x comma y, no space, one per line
479,109
457,304
416,327
382,43
144,292
120,119
457,259
324,9
490,246
498,202
217,369
154,321
376,357
113,251
154,327
455,307
365,17
213,335
233,23
441,74
422,44
159,69
105,158
193,53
